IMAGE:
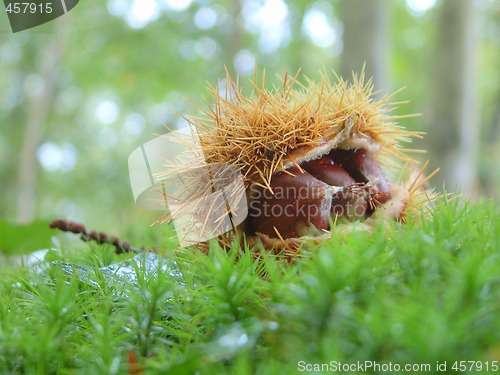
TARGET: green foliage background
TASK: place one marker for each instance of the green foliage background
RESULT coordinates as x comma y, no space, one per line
147,71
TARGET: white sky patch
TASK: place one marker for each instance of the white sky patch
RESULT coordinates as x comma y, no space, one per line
132,128
275,38
134,124
118,8
142,12
107,112
177,5
53,157
272,13
206,48
318,28
244,62
205,18
270,19
419,7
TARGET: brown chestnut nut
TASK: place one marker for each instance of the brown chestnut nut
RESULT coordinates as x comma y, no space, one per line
298,204
326,170
350,202
363,167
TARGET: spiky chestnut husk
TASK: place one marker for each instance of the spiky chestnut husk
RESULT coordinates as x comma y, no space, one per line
332,137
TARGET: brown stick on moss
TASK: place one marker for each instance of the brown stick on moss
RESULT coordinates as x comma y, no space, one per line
98,237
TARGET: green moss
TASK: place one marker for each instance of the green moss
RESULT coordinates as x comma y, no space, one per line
418,293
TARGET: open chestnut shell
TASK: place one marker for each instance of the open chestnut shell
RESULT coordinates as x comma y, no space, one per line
310,157
303,200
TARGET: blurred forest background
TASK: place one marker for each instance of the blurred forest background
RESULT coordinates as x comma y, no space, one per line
79,94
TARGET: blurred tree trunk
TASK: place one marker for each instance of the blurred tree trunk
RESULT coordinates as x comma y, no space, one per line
38,112
366,40
234,37
454,129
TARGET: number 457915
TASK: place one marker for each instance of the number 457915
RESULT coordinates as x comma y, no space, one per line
463,366
32,8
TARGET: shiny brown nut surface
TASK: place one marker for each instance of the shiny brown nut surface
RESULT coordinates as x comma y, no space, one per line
326,170
299,204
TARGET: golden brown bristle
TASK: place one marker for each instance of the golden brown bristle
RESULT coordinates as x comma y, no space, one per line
270,129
